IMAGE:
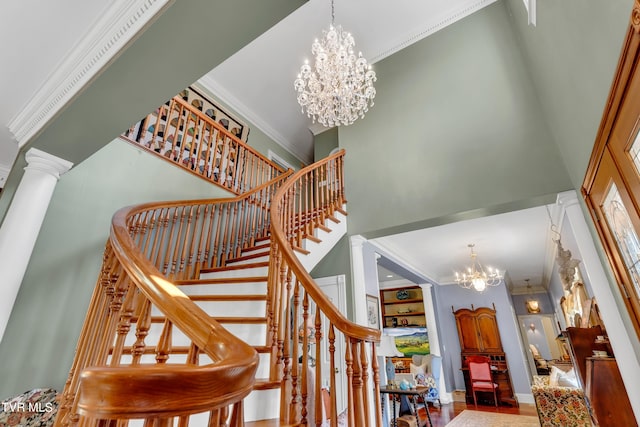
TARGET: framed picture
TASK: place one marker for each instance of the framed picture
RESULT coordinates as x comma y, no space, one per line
373,312
411,340
195,97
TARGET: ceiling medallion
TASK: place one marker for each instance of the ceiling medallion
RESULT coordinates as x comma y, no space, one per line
338,88
475,277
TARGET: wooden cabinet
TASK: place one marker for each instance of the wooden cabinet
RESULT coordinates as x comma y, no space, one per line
479,336
402,307
607,394
478,330
600,378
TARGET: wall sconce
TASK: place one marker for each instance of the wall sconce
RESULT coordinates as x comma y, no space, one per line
532,327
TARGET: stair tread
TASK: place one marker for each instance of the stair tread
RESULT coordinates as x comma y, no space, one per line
238,297
266,384
227,319
222,280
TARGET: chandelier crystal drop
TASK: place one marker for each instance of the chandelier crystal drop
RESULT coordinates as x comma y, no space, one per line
475,277
338,88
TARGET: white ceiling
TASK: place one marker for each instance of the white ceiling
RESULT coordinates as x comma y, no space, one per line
258,82
517,243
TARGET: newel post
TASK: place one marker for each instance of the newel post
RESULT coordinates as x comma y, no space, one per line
22,223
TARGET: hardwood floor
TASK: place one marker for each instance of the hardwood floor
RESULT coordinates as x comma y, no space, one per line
439,416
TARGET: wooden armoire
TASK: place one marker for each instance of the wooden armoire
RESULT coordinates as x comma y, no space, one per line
479,336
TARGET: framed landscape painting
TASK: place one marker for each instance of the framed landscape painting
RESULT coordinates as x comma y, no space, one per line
410,341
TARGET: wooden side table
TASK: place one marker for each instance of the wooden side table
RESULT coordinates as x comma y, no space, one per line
413,395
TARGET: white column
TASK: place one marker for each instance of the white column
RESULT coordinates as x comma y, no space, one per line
357,275
618,334
22,223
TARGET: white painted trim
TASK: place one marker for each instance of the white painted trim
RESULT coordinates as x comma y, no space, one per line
107,37
279,160
618,332
464,10
530,5
256,120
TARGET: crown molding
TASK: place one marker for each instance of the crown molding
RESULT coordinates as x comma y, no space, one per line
234,103
432,27
119,24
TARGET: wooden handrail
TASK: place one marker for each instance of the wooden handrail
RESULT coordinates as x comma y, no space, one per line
125,364
151,246
311,196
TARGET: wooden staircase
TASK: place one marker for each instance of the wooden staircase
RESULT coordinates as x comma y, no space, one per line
236,297
195,316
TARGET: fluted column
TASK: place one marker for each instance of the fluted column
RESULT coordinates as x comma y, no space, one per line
22,223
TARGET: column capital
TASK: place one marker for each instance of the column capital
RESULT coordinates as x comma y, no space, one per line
38,160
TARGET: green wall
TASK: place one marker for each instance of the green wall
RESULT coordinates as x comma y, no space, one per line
257,139
324,142
456,127
572,54
336,262
39,342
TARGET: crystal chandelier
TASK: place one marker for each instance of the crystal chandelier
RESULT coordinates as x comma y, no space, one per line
476,277
338,89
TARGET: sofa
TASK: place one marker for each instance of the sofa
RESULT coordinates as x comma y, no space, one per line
559,405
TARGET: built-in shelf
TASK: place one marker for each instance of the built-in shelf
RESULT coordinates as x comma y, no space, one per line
402,307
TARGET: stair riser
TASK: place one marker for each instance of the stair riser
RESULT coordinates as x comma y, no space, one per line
251,288
254,271
262,405
249,260
234,308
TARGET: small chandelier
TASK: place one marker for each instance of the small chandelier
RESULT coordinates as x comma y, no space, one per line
338,89
476,277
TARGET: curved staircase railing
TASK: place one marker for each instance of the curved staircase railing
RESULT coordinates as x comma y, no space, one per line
146,350
300,311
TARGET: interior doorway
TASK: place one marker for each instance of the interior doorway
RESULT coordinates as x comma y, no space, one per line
539,332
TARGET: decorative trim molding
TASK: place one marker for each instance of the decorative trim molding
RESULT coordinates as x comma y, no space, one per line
235,104
117,27
38,160
445,21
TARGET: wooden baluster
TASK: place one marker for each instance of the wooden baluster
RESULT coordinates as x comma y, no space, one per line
82,347
348,358
207,250
225,241
163,349
187,220
304,371
217,245
317,392
358,386
192,256
376,384
333,416
364,363
124,326
176,247
295,365
142,329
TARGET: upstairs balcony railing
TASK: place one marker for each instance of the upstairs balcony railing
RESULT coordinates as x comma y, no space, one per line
182,134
